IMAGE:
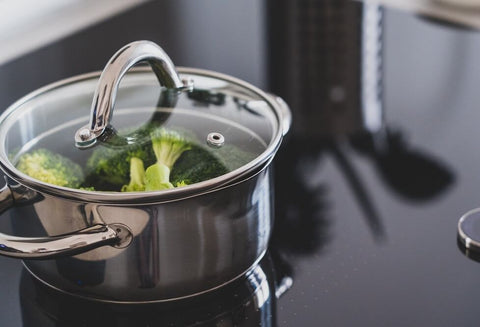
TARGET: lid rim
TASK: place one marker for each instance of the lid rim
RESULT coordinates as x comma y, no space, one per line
242,173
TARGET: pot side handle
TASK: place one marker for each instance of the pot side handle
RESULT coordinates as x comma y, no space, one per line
48,247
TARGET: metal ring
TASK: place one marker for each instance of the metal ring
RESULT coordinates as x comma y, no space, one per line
469,229
215,139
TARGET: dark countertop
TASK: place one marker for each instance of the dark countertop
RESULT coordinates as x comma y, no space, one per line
368,239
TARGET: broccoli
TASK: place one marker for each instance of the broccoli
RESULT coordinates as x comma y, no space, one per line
51,168
195,166
203,163
168,146
88,188
137,176
173,160
108,169
232,157
181,184
168,161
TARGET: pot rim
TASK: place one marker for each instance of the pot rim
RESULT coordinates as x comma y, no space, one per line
129,198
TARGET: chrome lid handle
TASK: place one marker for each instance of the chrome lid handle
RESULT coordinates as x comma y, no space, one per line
106,91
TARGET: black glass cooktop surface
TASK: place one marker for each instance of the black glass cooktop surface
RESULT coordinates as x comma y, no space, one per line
365,222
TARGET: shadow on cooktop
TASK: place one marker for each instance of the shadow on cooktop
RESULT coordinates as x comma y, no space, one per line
301,223
408,170
301,211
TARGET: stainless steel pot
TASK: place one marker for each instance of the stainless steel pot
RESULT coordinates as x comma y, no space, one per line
141,246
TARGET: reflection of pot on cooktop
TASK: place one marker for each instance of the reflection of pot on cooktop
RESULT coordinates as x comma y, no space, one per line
249,301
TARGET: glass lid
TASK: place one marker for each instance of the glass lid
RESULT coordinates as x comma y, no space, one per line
148,129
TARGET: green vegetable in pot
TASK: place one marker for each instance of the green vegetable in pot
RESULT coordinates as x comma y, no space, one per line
201,163
232,157
196,165
173,160
137,176
168,146
108,169
51,168
87,188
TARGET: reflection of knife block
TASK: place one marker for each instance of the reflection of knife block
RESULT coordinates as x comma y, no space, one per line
325,61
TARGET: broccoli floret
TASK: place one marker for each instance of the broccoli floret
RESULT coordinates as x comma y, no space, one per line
181,184
137,176
157,177
168,161
108,169
51,168
195,166
203,163
168,146
88,188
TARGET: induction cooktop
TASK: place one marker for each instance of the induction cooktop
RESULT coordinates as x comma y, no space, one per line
365,219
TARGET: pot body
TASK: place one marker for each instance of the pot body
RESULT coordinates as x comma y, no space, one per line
179,248
142,246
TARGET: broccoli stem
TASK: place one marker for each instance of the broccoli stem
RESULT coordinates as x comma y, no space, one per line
168,146
157,177
137,176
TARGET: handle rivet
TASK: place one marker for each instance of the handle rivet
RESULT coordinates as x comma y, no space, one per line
84,134
187,83
124,235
